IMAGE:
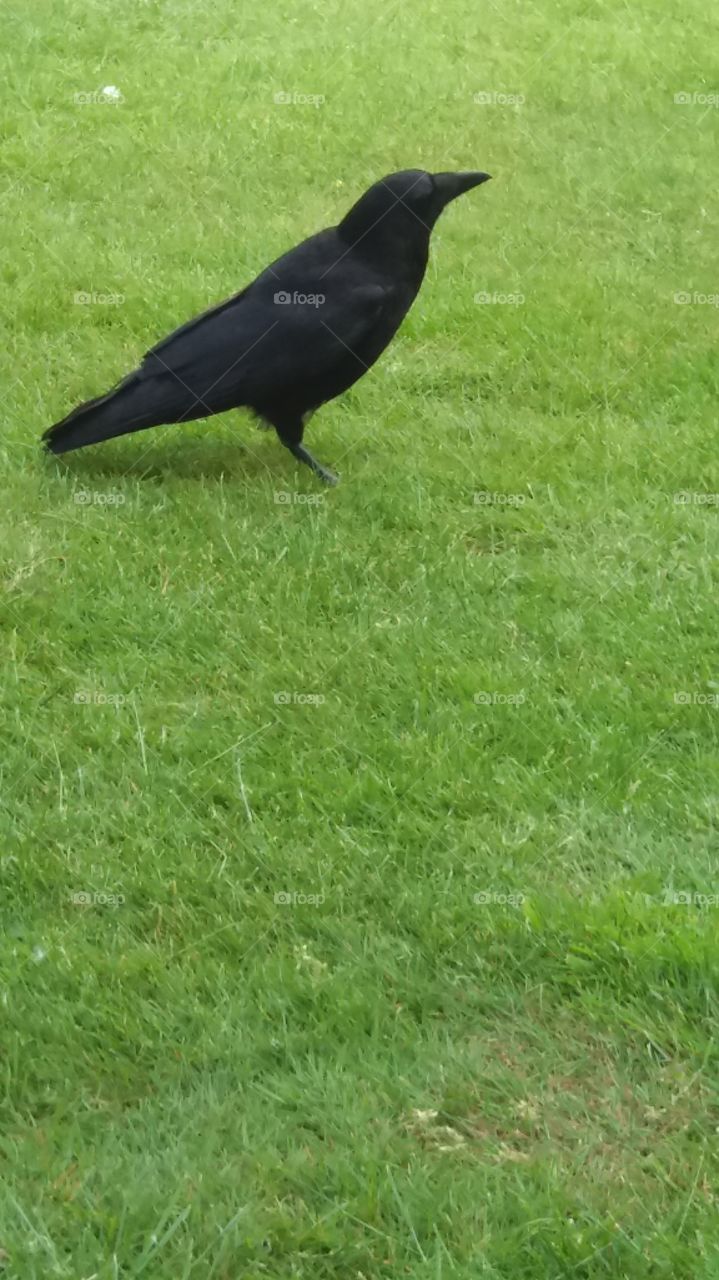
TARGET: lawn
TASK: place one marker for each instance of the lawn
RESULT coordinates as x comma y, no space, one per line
359,865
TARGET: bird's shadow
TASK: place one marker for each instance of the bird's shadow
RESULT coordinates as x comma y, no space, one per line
208,457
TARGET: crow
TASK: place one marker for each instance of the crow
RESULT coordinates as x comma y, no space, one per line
300,334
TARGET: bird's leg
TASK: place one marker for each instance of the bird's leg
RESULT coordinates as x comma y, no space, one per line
291,437
304,455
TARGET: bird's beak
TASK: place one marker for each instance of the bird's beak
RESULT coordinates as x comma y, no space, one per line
451,185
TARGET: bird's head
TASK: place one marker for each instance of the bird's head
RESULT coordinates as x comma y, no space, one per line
412,199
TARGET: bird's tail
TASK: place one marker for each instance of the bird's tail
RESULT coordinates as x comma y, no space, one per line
132,405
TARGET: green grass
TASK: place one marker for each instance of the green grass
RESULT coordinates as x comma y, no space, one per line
480,1041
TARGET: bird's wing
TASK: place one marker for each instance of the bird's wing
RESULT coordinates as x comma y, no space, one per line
258,341
246,353
197,322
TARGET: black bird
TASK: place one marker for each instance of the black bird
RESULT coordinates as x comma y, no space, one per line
300,334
